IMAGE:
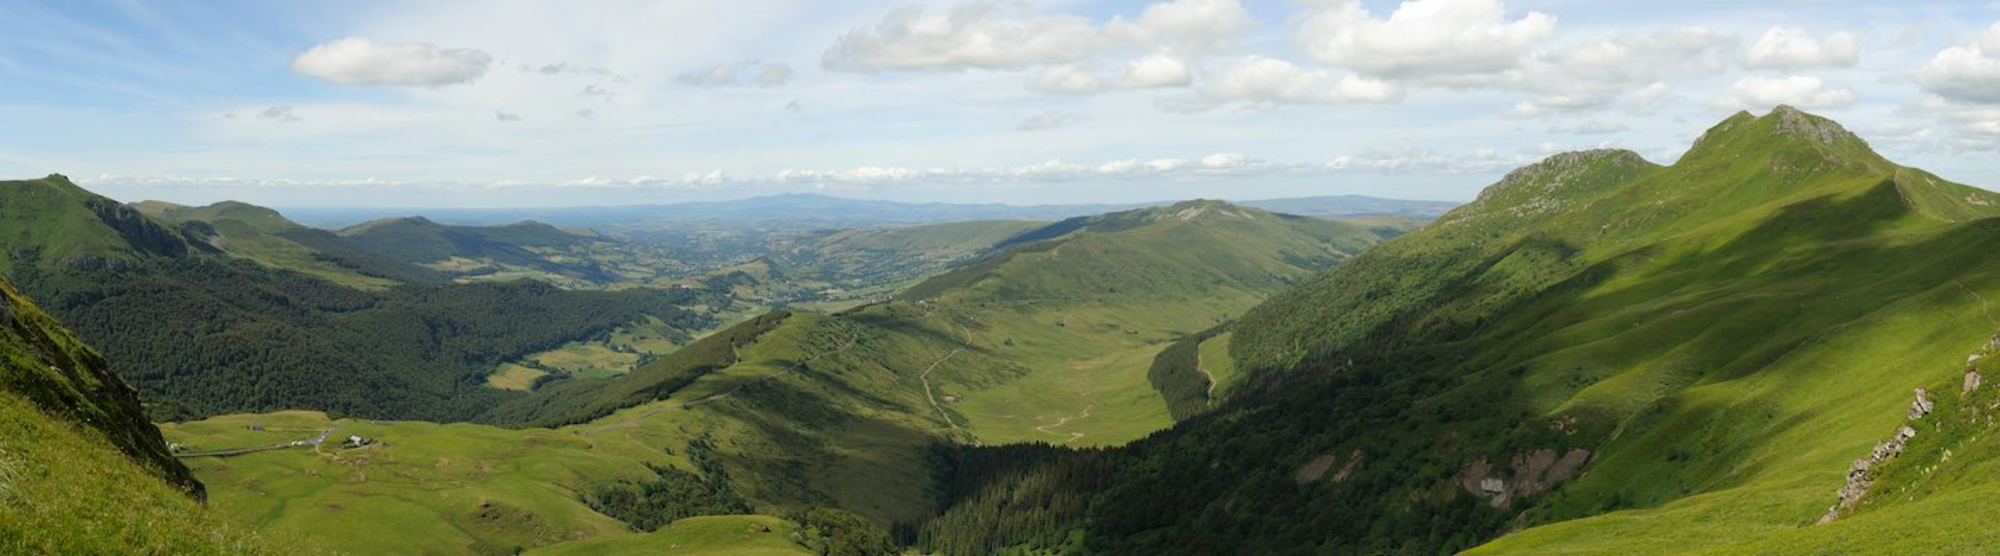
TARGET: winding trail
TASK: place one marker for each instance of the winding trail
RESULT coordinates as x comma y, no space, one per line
926,376
1073,436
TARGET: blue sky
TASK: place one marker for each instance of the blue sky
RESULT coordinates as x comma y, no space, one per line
1057,101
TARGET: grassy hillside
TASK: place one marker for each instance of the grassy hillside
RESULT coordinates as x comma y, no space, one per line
1599,355
81,471
815,410
1088,303
53,222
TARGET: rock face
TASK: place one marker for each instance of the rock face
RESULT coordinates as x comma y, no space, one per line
1531,473
1921,407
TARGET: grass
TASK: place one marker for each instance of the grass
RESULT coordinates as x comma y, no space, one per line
1214,355
514,377
64,491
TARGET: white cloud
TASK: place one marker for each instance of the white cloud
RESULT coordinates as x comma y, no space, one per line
1049,119
1068,49
357,61
1968,73
1423,38
1761,93
506,116
1156,70
1186,26
1633,66
1415,160
980,35
1791,47
1263,83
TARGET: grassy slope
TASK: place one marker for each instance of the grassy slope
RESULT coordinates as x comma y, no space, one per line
71,226
1087,303
849,428
81,472
1695,320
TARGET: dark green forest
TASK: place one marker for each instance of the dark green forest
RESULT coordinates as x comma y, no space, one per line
201,336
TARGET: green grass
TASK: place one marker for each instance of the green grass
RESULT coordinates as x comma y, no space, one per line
751,535
514,377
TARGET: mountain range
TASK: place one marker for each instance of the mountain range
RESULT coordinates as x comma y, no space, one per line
1780,343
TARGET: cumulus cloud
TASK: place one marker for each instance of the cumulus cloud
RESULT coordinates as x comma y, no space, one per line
1259,82
986,35
1966,73
1423,38
1791,47
358,61
980,35
1633,66
1046,120
752,72
1186,26
506,116
1760,93
1152,71
1964,126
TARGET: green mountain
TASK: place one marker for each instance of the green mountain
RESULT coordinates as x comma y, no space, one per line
262,235
1598,355
53,222
224,311
82,471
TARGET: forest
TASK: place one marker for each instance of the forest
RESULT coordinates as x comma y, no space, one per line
201,336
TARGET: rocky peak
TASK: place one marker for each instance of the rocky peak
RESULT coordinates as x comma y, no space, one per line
1560,168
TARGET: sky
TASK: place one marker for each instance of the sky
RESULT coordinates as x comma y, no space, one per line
499,104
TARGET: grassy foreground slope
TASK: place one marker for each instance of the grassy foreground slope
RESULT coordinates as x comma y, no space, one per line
81,471
1599,355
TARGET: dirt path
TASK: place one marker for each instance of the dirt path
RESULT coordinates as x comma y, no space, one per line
1073,436
931,393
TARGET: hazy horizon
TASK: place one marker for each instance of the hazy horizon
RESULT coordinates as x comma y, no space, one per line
399,104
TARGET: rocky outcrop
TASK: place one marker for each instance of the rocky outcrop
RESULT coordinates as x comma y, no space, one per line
1922,406
1861,475
1527,474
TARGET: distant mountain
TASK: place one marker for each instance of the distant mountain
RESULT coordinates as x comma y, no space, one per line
802,209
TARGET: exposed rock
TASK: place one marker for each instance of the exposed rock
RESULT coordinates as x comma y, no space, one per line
1921,407
1861,475
1971,381
1353,461
1532,473
1314,469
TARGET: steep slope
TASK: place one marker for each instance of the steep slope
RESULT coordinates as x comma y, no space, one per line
82,471
260,234
1638,357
